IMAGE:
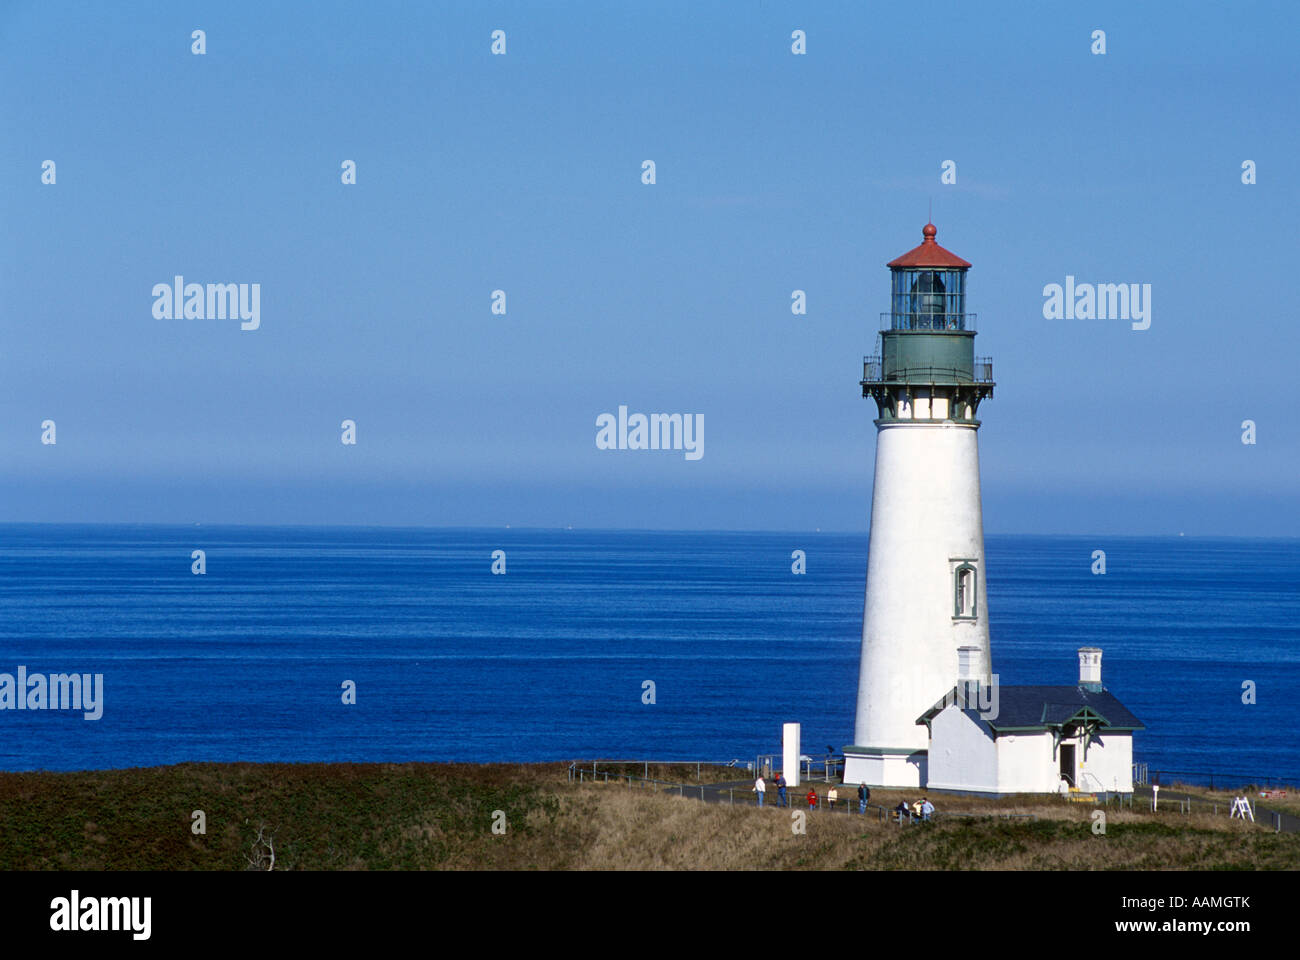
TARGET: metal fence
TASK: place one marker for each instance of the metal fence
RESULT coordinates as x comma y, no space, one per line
826,768
588,771
593,766
1280,821
1213,779
727,793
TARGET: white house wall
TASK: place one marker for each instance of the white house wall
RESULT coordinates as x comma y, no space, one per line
1110,761
885,770
1026,763
963,755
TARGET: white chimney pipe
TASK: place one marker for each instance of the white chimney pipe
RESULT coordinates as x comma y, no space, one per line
1090,668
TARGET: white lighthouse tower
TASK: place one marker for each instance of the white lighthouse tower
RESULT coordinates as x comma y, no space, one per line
925,594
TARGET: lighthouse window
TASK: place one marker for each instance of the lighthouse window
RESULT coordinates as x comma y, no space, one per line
928,300
964,592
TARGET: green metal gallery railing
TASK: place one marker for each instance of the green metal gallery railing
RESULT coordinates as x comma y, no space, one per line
928,322
873,372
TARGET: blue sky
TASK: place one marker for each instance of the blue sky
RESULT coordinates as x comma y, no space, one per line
522,172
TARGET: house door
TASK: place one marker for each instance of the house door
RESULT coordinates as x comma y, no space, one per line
1067,762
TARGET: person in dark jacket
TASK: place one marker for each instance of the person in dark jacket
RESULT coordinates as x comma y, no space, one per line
863,796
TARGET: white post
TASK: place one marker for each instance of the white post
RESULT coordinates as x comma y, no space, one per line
790,754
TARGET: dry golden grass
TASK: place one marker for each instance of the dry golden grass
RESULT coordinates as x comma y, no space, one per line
439,816
617,828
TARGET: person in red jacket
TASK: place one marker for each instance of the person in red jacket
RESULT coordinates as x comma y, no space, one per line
812,799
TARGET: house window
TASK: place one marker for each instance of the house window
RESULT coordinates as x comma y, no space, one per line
964,592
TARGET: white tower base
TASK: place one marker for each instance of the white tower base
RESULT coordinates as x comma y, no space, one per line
883,767
925,526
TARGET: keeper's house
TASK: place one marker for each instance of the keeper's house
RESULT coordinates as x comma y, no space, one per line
1075,740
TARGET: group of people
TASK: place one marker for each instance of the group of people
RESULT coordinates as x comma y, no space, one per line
760,787
832,796
921,809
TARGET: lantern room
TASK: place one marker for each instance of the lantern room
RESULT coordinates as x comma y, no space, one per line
926,369
928,291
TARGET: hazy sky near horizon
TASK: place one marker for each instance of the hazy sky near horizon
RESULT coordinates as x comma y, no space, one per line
522,172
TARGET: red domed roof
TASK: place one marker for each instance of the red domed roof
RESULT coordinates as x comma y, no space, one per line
929,253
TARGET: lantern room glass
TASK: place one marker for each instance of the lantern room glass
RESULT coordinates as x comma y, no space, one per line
928,299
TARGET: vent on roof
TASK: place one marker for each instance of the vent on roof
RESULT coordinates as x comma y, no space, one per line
1090,669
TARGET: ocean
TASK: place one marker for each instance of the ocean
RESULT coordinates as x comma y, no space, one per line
550,661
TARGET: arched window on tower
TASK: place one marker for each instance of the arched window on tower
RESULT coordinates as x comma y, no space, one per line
964,592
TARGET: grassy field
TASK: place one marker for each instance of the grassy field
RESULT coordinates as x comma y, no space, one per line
438,816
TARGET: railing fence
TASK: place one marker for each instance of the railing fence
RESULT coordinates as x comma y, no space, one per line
849,803
1280,821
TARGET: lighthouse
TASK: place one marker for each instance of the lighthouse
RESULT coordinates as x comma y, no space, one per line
925,593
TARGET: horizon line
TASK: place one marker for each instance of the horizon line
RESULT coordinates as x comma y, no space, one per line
571,528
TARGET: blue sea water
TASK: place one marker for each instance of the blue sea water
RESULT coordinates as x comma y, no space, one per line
547,662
